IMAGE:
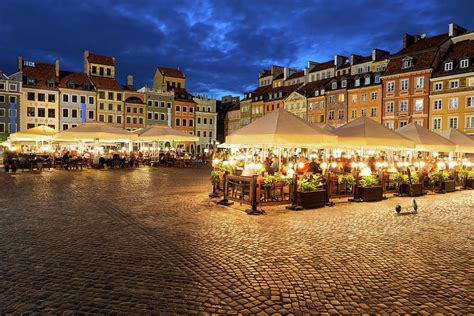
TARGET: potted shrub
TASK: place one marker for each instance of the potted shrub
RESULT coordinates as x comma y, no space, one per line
469,179
345,183
215,178
442,180
369,189
403,183
311,192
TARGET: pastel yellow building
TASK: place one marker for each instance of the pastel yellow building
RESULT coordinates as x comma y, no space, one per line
168,78
452,88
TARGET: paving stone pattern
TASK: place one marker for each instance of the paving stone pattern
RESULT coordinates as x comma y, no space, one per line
149,241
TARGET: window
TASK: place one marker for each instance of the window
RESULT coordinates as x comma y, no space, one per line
2,98
357,82
191,123
2,112
454,84
156,116
51,113
453,122
464,63
141,111
453,103
470,102
340,114
199,133
65,98
129,109
169,105
341,98
403,106
50,84
30,111
185,122
140,120
353,113
2,86
65,112
334,85
30,125
178,108
389,125
191,110
470,122
109,72
437,105
111,107
177,122
185,109
51,97
162,117
12,99
448,66
436,123
367,80
199,120
135,110
390,86
419,105
83,99
101,106
74,99
41,97
91,115
210,121
41,112
363,112
156,104
407,63
94,69
110,118
31,96
354,98
419,122
438,86
404,84
101,71
119,96
162,104
363,97
119,119
101,118
343,83
331,115
403,123
150,115
110,95
150,103
102,95
373,112
65,127
74,113
128,119
419,83
373,96
377,79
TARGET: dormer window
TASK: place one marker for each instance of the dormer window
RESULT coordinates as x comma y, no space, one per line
407,62
377,79
367,80
464,63
71,84
50,84
357,82
322,91
281,94
344,83
316,93
31,80
334,85
448,66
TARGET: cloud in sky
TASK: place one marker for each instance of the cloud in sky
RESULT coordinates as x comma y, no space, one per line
220,45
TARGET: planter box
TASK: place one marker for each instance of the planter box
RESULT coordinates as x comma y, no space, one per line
370,194
448,186
309,200
404,189
470,183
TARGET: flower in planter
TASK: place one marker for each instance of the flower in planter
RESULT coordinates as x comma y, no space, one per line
368,181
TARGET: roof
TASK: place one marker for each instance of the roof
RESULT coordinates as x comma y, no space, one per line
81,80
180,92
134,99
344,65
103,60
420,61
285,91
360,59
233,107
106,83
296,75
171,72
322,66
351,82
309,88
279,76
426,43
456,53
41,73
262,89
265,73
129,88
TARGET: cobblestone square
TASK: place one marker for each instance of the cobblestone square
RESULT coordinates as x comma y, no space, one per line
149,241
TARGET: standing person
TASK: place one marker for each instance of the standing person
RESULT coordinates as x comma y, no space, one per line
315,167
65,159
275,166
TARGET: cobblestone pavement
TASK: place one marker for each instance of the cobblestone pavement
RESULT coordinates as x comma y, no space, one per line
149,241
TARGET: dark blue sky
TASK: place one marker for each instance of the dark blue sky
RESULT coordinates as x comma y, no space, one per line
221,45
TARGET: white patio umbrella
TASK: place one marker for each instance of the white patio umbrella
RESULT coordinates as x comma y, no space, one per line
95,131
35,134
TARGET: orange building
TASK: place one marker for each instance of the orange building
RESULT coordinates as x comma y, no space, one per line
184,111
316,100
336,101
274,98
135,107
365,97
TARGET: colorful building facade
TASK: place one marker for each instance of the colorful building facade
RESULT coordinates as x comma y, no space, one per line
10,96
206,123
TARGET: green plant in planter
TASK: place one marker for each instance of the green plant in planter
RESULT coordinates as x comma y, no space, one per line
401,178
215,177
225,167
469,174
440,176
269,181
368,181
310,184
348,180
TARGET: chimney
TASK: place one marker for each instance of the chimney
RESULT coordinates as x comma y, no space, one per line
377,53
411,39
113,58
286,73
352,59
311,64
20,63
130,80
455,30
56,68
86,63
339,60
305,71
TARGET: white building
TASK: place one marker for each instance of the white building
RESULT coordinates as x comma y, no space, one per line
206,123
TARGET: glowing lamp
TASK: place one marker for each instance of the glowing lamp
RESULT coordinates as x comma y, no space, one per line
291,172
441,165
378,165
333,165
300,165
361,165
291,165
422,164
365,172
399,164
324,165
406,164
416,164
384,164
353,164
452,164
